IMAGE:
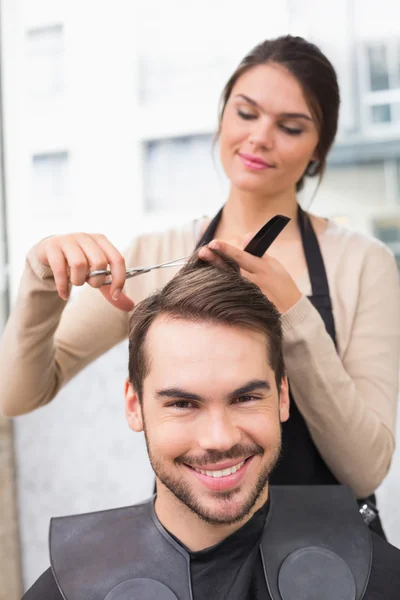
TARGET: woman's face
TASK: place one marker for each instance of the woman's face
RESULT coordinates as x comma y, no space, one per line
268,134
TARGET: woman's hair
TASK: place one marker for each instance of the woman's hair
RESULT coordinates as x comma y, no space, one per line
317,77
204,292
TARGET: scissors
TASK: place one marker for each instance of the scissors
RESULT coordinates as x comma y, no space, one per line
257,246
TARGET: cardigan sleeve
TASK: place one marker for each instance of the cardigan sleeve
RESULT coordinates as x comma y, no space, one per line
47,341
349,402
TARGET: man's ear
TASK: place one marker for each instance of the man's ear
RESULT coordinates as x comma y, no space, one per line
284,400
133,409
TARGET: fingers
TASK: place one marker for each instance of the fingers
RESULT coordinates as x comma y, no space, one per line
78,257
94,259
123,302
206,254
72,257
116,262
56,261
245,260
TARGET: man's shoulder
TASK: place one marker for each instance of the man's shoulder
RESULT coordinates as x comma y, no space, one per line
385,572
45,588
66,532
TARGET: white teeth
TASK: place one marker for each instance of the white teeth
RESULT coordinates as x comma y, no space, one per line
222,473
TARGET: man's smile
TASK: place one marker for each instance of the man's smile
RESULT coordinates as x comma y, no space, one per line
220,472
217,479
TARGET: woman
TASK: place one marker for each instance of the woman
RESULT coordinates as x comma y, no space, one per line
337,290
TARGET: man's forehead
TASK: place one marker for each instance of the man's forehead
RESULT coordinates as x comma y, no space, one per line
177,330
176,344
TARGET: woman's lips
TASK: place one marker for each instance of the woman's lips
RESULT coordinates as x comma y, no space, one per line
253,162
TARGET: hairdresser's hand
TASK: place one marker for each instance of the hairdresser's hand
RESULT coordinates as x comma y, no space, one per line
266,272
71,258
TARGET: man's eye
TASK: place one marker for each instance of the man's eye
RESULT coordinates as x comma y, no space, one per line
182,404
244,399
247,116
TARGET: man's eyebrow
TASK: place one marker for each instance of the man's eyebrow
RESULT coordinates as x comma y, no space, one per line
247,388
251,386
177,393
287,115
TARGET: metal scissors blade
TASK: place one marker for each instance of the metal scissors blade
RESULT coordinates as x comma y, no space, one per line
133,272
260,243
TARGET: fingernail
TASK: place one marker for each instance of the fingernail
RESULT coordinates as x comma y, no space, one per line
116,294
213,245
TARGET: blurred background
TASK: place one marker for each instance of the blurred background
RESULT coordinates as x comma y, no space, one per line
108,111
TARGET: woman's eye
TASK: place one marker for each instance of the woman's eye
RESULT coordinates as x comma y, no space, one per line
291,130
247,116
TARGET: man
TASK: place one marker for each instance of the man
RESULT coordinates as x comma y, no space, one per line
207,386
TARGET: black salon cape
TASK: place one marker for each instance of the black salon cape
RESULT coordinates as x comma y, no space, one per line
234,565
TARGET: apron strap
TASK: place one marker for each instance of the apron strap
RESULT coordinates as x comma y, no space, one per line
316,269
209,233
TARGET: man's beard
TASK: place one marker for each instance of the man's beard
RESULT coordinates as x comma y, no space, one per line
182,490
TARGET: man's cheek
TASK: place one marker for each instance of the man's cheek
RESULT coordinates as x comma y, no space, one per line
170,440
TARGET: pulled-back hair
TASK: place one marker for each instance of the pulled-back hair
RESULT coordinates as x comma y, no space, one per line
203,291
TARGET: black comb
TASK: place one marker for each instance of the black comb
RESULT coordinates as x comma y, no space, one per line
260,243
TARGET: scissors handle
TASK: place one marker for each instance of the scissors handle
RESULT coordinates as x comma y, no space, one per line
260,243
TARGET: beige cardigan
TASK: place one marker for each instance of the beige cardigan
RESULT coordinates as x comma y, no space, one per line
348,399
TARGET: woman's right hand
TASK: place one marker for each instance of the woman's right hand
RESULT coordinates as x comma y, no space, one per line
71,258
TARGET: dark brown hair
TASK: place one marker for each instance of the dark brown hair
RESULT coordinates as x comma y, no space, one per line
205,292
317,77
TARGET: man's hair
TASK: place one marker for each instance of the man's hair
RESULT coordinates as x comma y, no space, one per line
206,292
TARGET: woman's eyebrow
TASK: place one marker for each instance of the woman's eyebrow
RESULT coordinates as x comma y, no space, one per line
286,115
249,100
296,116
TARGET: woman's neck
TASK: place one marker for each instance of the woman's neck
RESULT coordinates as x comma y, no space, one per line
245,213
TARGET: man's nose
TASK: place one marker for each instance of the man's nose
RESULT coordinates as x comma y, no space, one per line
218,431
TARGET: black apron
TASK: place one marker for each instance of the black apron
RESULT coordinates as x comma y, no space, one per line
301,463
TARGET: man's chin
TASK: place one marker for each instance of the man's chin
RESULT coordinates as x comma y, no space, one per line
220,507
222,511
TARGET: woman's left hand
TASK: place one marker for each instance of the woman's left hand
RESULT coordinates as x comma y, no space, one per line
268,273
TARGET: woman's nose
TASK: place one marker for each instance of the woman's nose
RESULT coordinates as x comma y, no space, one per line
262,137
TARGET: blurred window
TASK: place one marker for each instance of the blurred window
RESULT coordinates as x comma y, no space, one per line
45,50
381,113
381,93
378,67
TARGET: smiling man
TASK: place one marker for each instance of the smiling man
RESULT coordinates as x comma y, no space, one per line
208,388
